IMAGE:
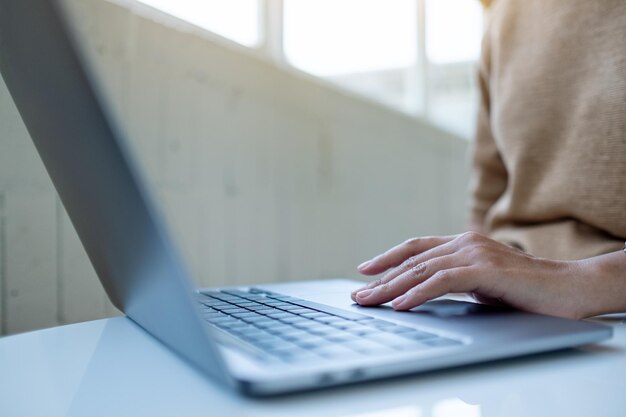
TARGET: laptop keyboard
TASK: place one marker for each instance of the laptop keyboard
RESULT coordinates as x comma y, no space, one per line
292,329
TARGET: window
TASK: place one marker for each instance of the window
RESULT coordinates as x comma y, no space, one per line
369,46
453,36
453,31
417,56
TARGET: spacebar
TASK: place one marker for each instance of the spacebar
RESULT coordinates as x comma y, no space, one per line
348,315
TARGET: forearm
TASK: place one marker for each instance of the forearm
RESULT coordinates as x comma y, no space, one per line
604,284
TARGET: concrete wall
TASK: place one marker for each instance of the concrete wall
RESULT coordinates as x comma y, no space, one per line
263,173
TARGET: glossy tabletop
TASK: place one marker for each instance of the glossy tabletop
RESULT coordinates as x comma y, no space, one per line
113,368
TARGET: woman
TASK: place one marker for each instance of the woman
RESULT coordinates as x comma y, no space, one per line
548,215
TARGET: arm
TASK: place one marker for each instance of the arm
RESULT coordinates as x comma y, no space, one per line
427,268
604,282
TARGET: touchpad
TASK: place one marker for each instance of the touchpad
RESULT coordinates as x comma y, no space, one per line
447,308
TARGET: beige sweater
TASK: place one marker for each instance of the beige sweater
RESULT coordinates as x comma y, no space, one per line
550,151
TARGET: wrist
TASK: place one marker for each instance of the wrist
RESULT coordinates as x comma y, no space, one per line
601,284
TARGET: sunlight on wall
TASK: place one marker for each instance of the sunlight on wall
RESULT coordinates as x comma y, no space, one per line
234,19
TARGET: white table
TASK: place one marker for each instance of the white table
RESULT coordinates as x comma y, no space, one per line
113,368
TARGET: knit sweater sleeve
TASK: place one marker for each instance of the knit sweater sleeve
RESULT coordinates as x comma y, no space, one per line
489,174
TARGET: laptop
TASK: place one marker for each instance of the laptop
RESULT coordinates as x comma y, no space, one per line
260,340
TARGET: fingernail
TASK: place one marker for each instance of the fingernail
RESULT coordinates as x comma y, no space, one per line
363,294
364,265
373,284
398,301
359,290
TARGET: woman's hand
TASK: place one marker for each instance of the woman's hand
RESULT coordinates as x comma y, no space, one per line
426,268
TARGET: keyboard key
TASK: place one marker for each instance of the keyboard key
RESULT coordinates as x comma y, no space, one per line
349,325
343,324
216,304
295,334
271,302
280,330
369,347
362,331
261,307
254,290
314,315
242,326
246,304
272,343
225,297
262,324
242,294
294,320
225,324
328,319
259,321
342,338
255,336
311,342
336,351
222,319
379,323
268,339
399,329
234,309
246,315
417,335
210,293
312,325
283,305
441,341
289,351
299,310
386,339
412,347
323,331
283,298
279,315
254,297
270,324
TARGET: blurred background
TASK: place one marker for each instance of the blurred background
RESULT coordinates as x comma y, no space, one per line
282,139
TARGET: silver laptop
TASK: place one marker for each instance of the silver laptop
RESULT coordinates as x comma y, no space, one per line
261,340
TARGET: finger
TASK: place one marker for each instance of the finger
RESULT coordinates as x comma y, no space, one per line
409,279
462,279
396,255
436,252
